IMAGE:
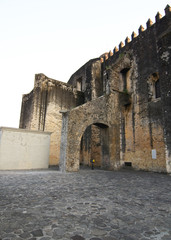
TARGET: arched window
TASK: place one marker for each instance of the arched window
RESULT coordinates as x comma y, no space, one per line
154,86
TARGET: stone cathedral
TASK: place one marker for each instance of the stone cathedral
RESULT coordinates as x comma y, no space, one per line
115,109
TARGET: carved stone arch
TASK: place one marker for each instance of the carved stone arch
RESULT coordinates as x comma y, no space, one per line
74,141
75,123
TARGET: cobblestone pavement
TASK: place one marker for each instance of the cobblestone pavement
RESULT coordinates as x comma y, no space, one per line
88,205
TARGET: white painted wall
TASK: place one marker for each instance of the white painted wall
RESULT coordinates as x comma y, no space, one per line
23,149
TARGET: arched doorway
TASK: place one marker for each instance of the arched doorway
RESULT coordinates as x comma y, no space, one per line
95,145
74,125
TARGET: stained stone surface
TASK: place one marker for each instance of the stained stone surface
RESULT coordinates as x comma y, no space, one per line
88,205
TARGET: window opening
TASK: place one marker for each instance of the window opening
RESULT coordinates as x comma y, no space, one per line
125,74
157,89
79,84
128,164
106,82
154,86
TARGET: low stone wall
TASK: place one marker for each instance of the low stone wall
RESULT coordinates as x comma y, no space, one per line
23,149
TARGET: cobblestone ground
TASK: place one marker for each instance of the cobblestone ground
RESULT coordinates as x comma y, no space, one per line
90,204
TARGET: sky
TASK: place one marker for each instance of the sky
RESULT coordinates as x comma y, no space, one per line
56,37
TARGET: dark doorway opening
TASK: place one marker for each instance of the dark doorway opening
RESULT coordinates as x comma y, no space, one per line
95,145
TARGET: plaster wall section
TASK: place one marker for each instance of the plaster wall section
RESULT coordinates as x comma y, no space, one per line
23,149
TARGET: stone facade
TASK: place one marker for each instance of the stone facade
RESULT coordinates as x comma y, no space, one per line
116,108
41,109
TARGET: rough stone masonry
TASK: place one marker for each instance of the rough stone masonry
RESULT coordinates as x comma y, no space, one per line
118,106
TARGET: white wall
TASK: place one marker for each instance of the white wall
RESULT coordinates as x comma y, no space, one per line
23,149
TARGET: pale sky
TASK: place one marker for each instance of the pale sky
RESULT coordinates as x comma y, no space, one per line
56,37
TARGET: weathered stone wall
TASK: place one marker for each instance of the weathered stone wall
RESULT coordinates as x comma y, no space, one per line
125,112
91,146
78,123
139,116
90,76
43,108
135,148
85,147
145,121
164,58
96,146
26,112
131,74
92,86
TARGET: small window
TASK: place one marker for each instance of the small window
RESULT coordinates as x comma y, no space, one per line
128,164
154,86
105,82
107,75
79,84
157,89
125,78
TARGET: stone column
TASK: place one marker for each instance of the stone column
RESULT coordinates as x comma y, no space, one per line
64,135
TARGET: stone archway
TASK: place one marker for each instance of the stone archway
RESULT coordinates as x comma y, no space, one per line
103,111
95,145
73,145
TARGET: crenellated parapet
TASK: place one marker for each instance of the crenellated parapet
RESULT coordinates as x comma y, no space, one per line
135,37
127,40
149,23
140,29
167,10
